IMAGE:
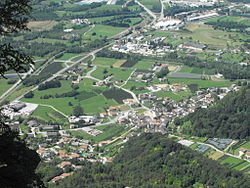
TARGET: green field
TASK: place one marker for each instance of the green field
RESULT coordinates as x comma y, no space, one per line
77,58
149,3
118,73
245,145
102,31
194,146
103,61
4,86
67,56
49,115
201,83
169,94
196,70
130,84
242,165
109,131
207,35
231,162
100,19
20,91
92,104
143,65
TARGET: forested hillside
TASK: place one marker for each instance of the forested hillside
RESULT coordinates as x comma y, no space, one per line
230,118
152,160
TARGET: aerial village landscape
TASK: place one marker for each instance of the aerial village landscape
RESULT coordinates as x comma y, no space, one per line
140,76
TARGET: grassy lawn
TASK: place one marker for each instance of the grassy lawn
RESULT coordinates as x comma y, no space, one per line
77,58
143,65
149,3
109,131
161,34
100,19
118,73
67,56
41,25
207,35
4,85
194,146
201,83
232,162
242,165
48,114
134,21
103,61
24,128
89,98
103,30
216,155
169,94
19,92
195,70
136,84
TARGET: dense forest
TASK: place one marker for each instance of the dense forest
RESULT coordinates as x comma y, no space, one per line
228,119
152,160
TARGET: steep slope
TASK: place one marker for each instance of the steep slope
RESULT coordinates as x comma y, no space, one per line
152,160
230,118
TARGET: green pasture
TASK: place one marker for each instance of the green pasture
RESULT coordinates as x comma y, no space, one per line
89,98
118,73
48,114
201,83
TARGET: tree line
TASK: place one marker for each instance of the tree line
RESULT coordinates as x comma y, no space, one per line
228,119
153,160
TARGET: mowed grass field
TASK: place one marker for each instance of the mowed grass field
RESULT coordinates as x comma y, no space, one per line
144,64
234,163
169,94
149,3
109,131
195,70
4,86
207,35
118,73
41,25
67,56
107,62
102,31
216,155
48,114
201,83
90,98
100,19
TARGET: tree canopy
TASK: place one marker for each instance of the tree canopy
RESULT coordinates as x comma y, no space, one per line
153,160
17,161
228,119
13,18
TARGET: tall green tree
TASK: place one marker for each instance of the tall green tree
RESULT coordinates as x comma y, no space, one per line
17,161
14,16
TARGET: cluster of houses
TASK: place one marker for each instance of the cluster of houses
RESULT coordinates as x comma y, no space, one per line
84,120
142,45
244,153
164,110
193,3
